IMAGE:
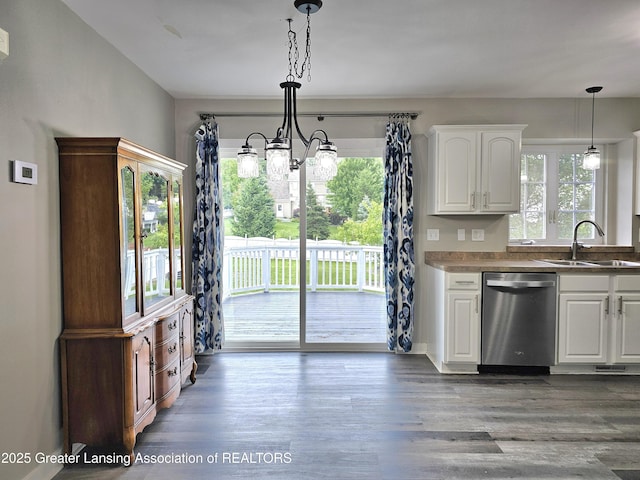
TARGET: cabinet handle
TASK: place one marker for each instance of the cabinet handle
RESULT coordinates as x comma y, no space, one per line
620,305
172,373
173,348
606,305
173,325
486,199
465,282
477,298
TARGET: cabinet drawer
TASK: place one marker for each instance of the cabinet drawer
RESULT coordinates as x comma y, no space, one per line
167,328
167,352
584,283
463,281
167,378
626,283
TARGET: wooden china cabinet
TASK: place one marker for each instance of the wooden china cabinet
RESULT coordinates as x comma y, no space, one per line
127,343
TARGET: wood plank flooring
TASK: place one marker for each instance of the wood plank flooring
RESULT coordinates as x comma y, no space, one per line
344,416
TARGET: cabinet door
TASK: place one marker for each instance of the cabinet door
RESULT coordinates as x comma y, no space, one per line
500,172
129,253
154,209
582,322
143,373
627,331
462,330
177,235
457,169
186,336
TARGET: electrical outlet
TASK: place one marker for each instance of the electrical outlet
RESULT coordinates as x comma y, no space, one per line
461,234
477,235
433,234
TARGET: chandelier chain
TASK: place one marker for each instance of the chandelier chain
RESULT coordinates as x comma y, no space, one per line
294,52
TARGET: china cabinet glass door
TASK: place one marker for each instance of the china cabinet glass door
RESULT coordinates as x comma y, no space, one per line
156,278
128,239
177,235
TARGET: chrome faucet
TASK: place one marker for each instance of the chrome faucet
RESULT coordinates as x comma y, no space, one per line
575,245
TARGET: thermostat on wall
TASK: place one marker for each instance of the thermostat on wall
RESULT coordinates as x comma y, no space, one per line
24,172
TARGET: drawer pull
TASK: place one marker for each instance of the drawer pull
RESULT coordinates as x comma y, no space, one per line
619,305
173,348
465,282
173,325
173,373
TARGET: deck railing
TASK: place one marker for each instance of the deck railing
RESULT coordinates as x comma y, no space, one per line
275,266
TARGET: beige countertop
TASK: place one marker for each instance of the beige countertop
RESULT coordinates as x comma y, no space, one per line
517,259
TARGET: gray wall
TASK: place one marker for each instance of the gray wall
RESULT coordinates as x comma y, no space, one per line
61,79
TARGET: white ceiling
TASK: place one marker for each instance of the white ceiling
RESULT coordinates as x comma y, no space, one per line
379,48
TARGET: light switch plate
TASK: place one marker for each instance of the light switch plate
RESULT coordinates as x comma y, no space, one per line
433,234
461,234
24,172
477,235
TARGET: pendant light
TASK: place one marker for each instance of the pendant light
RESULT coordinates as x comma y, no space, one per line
279,151
591,158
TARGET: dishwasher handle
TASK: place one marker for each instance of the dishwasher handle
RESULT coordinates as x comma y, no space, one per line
521,283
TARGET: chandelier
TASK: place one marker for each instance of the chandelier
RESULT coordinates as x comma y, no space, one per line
591,158
279,150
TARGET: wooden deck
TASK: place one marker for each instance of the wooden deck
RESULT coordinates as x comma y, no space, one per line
332,317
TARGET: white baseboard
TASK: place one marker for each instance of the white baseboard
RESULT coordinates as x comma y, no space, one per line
49,470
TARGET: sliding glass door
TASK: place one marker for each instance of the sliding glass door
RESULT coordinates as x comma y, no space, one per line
302,231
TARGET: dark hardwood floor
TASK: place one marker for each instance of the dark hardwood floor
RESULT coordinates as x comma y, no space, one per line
382,416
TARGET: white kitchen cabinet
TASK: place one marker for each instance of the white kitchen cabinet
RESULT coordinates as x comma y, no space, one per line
582,320
474,169
626,314
599,319
453,321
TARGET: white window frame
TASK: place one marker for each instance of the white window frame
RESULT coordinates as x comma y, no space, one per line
553,153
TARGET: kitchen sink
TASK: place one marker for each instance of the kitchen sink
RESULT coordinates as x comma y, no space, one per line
614,263
567,263
591,263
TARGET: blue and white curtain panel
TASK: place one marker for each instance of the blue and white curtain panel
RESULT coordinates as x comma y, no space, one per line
208,234
399,265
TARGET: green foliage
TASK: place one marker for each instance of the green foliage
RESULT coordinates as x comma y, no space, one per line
230,180
367,231
317,219
253,209
356,179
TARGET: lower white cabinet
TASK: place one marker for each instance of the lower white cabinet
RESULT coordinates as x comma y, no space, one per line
626,309
454,320
599,319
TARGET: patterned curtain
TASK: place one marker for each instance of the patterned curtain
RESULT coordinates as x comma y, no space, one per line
207,242
399,263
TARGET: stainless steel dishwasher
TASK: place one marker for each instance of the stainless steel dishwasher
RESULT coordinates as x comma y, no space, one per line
519,319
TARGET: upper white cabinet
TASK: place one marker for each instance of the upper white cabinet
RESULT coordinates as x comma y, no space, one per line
474,169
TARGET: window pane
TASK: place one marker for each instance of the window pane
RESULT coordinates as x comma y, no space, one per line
565,197
584,197
535,197
516,229
565,225
535,167
565,169
535,225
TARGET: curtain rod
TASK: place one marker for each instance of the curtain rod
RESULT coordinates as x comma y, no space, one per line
319,116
